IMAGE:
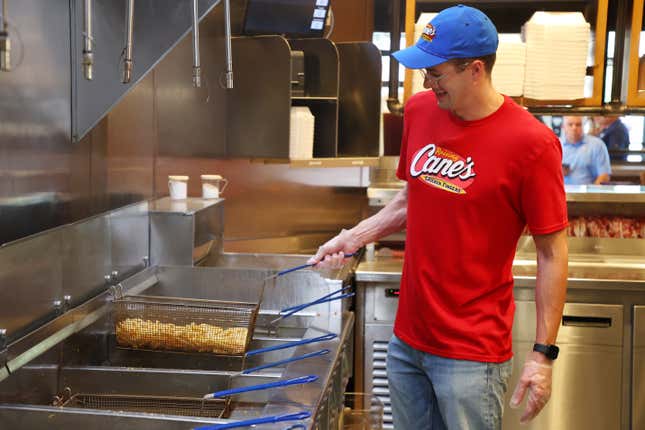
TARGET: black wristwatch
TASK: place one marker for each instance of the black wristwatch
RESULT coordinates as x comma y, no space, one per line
550,351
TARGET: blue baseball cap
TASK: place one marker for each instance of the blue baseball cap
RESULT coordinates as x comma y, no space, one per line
456,32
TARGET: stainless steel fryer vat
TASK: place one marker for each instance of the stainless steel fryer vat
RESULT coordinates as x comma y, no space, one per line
94,345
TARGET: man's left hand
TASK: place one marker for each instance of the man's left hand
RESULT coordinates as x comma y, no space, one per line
536,380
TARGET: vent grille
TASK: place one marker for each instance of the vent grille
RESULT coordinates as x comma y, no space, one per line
380,386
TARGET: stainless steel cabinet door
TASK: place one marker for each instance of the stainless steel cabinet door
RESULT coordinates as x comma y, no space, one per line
587,379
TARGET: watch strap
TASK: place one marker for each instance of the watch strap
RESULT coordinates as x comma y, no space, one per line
550,351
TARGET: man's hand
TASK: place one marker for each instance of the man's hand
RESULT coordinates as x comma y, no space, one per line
536,379
332,253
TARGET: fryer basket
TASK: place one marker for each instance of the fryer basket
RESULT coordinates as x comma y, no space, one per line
184,325
183,406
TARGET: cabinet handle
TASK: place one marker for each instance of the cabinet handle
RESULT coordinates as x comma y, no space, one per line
582,321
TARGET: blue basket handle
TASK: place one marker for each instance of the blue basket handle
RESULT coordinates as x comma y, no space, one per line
296,309
328,298
262,420
276,384
304,266
323,338
288,360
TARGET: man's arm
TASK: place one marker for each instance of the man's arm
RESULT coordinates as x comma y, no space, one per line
550,294
601,179
551,285
602,163
390,219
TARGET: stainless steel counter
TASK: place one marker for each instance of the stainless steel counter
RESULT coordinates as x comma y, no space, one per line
381,194
587,272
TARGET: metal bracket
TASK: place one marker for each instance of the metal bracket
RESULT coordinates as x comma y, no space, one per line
62,397
67,301
116,291
112,278
3,347
62,306
58,306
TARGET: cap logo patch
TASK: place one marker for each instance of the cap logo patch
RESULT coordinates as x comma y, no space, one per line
428,33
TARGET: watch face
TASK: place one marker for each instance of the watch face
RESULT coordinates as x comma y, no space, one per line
553,351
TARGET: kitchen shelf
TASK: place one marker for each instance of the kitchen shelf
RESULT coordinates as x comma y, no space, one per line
314,99
324,162
606,193
336,162
341,89
635,95
493,8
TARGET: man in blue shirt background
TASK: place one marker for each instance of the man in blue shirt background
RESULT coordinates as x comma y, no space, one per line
585,159
614,133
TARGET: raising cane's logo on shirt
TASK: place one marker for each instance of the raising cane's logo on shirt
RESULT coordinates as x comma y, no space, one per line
443,169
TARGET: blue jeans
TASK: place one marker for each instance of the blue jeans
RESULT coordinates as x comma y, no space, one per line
435,393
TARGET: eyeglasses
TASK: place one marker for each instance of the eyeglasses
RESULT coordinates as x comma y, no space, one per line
434,80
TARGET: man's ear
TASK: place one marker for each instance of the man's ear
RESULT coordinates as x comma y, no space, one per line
478,70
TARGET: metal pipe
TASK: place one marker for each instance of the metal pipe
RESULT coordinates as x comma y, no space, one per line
5,41
88,41
229,54
129,30
3,16
197,72
393,103
622,21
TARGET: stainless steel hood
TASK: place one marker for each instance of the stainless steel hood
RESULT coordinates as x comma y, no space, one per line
159,26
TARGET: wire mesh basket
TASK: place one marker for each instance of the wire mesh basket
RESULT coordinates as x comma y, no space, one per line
184,325
183,406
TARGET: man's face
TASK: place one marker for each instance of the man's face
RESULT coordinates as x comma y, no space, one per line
448,81
600,121
604,121
572,126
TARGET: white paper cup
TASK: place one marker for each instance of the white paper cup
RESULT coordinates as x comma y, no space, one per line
178,187
212,186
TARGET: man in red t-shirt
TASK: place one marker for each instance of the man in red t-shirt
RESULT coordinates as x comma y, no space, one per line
478,169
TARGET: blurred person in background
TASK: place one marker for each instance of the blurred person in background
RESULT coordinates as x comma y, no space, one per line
585,159
613,132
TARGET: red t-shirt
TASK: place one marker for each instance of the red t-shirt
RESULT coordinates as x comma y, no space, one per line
472,188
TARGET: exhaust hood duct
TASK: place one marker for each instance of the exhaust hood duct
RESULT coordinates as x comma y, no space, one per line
5,42
127,51
160,26
197,72
393,103
229,54
88,42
